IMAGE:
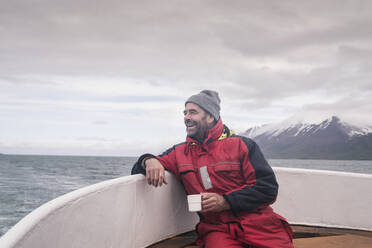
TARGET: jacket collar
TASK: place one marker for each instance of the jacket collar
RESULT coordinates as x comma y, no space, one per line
212,134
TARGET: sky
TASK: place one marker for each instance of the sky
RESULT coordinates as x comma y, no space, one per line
110,78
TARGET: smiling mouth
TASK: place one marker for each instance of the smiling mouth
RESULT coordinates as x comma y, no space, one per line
190,124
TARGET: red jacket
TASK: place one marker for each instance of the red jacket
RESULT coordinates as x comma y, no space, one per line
232,166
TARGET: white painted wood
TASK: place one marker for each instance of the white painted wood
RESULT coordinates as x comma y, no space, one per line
325,198
123,212
126,212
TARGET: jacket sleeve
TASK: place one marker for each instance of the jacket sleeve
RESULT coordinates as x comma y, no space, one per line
137,167
167,159
255,168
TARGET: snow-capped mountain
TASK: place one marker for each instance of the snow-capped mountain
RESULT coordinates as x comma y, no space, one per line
329,139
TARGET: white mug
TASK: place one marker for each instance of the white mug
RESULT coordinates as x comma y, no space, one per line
194,202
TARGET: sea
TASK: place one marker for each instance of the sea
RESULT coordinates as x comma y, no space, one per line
28,181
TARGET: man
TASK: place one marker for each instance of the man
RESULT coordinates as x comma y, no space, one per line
236,182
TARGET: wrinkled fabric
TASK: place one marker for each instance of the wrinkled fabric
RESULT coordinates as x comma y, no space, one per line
234,167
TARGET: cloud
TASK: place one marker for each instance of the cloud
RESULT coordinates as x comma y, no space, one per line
345,108
99,122
98,68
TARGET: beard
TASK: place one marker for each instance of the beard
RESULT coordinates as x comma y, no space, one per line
197,130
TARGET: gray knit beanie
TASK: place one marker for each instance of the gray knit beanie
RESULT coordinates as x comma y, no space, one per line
208,100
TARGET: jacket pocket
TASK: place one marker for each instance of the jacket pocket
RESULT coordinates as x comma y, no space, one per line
185,169
227,168
228,175
188,176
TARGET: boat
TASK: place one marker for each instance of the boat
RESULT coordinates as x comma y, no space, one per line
322,206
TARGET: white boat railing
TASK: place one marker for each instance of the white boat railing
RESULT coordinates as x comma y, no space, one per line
123,212
126,212
325,198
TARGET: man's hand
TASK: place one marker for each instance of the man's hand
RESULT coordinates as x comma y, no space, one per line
212,202
155,173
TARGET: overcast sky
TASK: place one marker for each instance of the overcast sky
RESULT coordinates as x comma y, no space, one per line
88,77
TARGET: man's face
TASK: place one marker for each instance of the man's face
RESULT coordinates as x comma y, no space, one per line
197,121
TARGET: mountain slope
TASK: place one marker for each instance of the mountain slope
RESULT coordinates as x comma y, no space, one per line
330,139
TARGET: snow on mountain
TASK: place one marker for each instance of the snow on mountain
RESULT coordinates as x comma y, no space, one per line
330,138
306,128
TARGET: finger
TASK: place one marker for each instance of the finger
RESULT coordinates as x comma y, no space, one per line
161,177
148,176
152,175
208,201
206,196
153,180
208,205
207,208
164,180
156,178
